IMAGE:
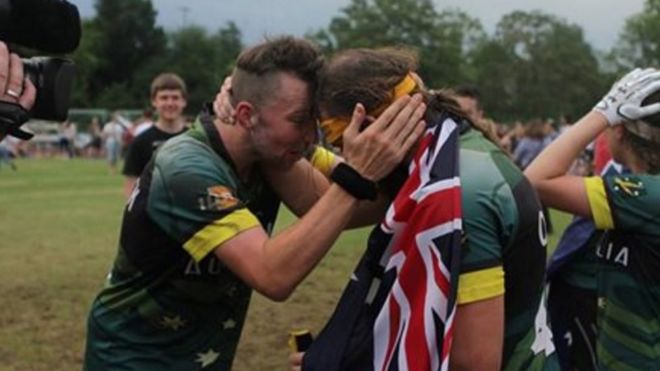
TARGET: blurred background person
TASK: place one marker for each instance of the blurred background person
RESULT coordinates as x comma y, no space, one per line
168,98
113,133
468,97
94,148
531,144
67,135
144,122
8,151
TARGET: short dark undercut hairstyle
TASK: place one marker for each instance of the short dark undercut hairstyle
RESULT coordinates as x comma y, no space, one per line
255,77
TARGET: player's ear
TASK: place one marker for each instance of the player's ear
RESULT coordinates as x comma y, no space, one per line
245,114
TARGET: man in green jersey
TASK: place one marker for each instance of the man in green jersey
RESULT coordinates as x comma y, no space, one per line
627,207
194,240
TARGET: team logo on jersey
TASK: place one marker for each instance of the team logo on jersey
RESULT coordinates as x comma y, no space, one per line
629,186
218,198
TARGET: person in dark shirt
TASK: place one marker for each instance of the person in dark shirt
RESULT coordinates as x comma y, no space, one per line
168,98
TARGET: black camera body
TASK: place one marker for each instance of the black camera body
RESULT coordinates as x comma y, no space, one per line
53,78
51,26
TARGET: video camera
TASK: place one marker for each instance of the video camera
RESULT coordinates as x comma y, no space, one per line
51,26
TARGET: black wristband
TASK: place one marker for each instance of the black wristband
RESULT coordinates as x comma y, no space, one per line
354,183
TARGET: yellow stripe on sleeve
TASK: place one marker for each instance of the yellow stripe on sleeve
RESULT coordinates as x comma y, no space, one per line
600,208
221,230
323,160
480,285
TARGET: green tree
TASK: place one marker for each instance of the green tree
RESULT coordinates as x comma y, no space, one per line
440,38
639,42
228,44
128,41
87,62
202,60
537,65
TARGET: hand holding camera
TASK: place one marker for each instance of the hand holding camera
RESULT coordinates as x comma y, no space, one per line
17,94
14,87
30,23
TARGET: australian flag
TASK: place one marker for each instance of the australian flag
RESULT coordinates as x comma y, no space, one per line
397,311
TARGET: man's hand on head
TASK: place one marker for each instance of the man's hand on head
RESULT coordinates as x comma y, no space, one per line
375,151
623,103
222,104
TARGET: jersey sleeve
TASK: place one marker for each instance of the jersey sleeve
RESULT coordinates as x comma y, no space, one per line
480,285
194,199
598,203
323,160
482,273
624,202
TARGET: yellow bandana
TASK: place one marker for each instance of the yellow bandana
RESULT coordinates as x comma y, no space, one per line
333,127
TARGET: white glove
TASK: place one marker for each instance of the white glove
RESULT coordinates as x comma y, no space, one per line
624,100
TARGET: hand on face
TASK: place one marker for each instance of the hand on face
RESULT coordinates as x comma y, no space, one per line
14,87
378,149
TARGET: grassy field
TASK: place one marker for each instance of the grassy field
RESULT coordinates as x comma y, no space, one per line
59,222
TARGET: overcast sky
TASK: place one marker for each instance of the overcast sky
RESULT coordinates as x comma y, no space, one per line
602,20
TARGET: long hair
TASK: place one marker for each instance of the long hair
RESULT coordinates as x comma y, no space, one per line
643,137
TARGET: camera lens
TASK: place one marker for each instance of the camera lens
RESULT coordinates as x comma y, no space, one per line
53,78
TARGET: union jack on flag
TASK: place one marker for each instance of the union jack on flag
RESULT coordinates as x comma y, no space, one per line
397,311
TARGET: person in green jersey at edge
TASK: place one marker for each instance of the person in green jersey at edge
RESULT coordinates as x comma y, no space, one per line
194,240
627,207
501,318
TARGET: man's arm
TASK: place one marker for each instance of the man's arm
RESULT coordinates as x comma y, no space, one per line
274,267
303,185
478,335
548,172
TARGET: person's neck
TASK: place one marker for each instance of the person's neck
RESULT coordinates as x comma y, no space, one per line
237,144
170,126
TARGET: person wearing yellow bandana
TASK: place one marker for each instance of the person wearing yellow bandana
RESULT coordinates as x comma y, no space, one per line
333,127
626,207
500,320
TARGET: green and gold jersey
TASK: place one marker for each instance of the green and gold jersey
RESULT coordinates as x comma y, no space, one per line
169,303
504,253
629,272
